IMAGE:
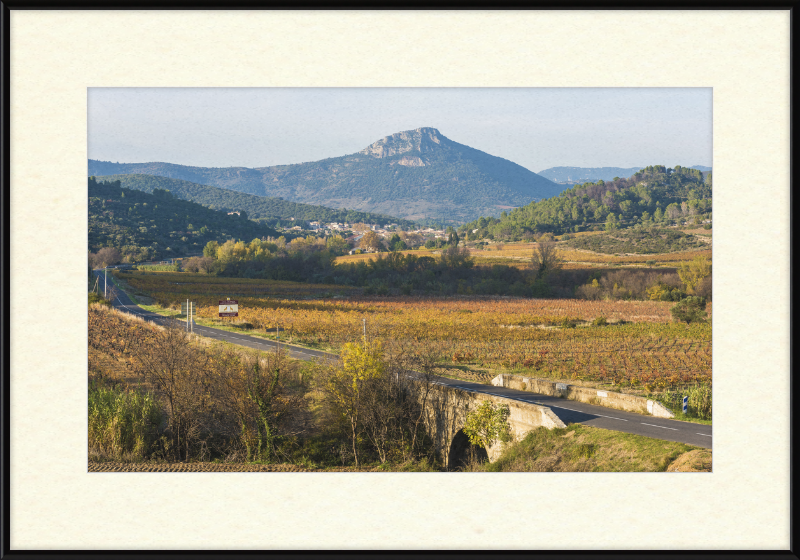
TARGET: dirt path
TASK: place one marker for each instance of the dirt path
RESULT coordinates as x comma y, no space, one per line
211,467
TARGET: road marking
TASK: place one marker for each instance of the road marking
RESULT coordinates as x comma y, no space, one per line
699,434
655,426
562,408
612,417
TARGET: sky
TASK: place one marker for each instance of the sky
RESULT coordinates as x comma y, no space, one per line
537,128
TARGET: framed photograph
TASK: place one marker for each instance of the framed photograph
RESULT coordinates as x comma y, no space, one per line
154,105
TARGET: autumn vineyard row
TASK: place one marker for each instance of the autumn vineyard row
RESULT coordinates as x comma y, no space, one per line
644,349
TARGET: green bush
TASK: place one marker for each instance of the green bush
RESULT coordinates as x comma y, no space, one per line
690,310
97,298
122,424
488,423
699,403
599,322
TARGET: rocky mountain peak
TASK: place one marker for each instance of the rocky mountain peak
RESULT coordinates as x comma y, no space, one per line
422,140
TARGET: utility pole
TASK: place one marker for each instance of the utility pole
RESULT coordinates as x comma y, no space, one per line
105,282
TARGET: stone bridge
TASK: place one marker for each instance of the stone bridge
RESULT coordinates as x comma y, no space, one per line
446,415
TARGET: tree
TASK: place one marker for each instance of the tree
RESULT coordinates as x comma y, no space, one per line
611,222
396,243
337,245
255,390
106,257
454,257
690,310
453,239
344,384
177,370
487,424
673,211
546,260
210,250
371,241
693,272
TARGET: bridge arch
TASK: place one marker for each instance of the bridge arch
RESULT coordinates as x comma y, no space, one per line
447,411
460,450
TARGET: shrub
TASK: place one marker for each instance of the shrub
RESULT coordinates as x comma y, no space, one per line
488,423
690,310
122,424
599,322
699,402
97,298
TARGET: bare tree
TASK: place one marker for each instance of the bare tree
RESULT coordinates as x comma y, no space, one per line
108,256
178,371
257,391
546,260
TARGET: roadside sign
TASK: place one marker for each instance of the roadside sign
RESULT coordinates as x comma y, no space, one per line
685,403
184,309
229,308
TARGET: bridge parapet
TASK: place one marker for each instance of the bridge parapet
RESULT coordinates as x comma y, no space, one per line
447,412
620,401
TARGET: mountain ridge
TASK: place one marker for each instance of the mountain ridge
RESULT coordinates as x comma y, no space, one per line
413,174
578,175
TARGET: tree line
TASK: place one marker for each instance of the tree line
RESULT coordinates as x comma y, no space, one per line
656,195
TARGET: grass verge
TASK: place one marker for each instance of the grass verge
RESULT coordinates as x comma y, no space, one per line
579,448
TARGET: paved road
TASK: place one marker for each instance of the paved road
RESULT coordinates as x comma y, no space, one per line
569,411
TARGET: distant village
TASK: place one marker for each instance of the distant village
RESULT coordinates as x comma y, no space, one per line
352,233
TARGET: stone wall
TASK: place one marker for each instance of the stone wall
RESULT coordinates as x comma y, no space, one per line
620,401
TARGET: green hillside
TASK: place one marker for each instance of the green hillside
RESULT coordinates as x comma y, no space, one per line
272,211
655,195
146,226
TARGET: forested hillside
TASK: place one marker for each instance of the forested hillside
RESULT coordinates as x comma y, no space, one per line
271,210
144,226
653,195
414,174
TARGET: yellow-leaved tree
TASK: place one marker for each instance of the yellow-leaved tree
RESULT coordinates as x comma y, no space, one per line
359,365
693,272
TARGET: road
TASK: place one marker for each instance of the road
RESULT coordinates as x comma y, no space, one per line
569,411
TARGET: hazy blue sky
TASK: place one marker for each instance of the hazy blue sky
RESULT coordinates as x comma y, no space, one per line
537,128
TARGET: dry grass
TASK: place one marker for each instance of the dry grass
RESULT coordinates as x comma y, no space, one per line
580,448
697,460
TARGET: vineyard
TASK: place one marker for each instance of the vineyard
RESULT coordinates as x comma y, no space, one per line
640,348
519,254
